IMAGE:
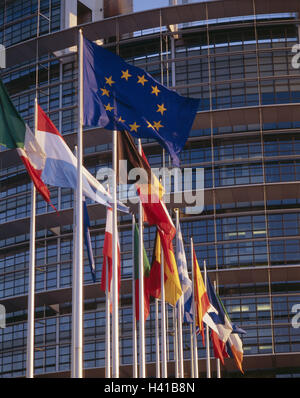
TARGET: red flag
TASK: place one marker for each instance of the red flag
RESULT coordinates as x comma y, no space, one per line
108,254
202,303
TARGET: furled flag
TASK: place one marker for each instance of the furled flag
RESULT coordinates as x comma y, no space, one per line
224,327
136,277
14,133
186,283
60,167
155,270
172,285
120,96
203,307
234,344
87,240
108,254
150,192
234,347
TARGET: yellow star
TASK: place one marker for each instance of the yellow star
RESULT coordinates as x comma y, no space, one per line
104,91
155,90
134,127
157,125
125,75
109,80
161,109
121,120
108,107
142,80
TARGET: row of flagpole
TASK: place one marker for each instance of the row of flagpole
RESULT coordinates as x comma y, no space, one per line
112,364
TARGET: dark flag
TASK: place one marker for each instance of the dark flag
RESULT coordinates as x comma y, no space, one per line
87,240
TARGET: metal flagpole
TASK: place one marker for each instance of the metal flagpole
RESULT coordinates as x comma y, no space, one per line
179,312
157,356
195,349
31,280
107,323
192,351
115,295
163,321
163,302
208,372
175,316
31,283
74,273
77,305
134,332
218,360
141,287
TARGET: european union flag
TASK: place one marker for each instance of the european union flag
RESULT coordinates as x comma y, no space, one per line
121,96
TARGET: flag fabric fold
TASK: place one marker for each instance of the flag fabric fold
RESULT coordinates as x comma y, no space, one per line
148,187
150,192
60,167
234,347
234,344
186,283
121,96
172,285
154,283
224,327
108,254
226,341
15,134
203,307
87,240
136,277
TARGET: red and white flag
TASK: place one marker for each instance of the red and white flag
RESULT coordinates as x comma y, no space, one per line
108,253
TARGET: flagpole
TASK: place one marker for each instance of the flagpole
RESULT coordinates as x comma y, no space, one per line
141,287
115,295
163,321
74,273
195,349
179,309
192,351
218,359
134,332
77,305
31,282
175,316
208,371
157,356
107,322
163,300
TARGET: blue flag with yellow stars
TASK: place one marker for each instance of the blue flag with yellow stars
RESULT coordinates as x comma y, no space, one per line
120,96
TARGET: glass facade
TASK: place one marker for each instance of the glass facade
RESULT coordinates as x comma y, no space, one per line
242,62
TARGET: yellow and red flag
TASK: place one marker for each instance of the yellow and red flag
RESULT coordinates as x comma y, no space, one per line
172,285
202,303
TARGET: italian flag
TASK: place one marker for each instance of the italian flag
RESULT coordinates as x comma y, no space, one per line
136,277
15,134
